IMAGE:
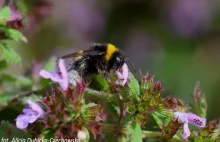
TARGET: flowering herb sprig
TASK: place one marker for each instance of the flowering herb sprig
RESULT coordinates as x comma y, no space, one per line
68,113
65,111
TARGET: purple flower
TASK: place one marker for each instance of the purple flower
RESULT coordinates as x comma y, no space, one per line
14,13
30,115
1,3
122,75
15,18
189,118
61,78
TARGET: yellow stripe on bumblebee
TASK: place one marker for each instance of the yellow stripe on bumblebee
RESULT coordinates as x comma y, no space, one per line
111,49
78,58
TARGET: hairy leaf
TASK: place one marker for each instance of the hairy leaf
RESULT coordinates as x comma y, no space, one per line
10,55
134,86
137,134
14,34
4,14
160,118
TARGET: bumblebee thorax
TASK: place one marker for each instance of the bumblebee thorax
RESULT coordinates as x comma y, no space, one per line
110,50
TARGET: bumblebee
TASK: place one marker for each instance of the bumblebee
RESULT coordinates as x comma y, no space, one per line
98,59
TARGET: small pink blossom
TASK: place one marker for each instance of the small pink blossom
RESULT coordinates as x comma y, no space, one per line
15,15
15,18
30,115
61,77
122,75
189,118
1,3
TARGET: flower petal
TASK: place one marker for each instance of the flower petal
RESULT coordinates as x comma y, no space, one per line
53,76
33,118
1,3
14,14
196,120
186,132
34,106
189,118
22,121
62,78
27,111
64,82
182,117
122,76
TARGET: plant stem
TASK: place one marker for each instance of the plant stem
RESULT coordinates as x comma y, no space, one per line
118,125
99,93
89,92
151,134
109,128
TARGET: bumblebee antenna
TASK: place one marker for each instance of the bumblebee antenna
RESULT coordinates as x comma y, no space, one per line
130,65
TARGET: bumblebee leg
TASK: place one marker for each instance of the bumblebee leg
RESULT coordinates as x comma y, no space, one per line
107,77
114,87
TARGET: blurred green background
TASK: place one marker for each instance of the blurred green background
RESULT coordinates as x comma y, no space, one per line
176,40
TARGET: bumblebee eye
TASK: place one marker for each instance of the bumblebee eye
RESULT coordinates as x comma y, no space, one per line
118,60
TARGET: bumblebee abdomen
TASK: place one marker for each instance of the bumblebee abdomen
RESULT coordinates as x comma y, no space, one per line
84,65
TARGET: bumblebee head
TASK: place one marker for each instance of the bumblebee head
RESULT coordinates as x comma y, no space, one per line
116,61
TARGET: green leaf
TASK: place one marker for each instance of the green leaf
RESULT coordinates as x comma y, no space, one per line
1,49
4,14
5,96
137,134
33,97
199,139
7,78
90,105
23,81
10,55
134,86
3,64
161,118
128,124
10,131
98,82
14,34
47,134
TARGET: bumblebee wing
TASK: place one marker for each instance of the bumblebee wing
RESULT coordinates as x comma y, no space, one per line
82,53
70,55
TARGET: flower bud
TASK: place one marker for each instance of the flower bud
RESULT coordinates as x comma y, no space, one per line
81,135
